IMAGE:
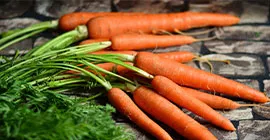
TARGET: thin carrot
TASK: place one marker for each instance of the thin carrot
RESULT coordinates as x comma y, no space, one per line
181,56
189,76
89,41
213,101
71,20
166,112
171,91
123,103
146,41
109,26
114,67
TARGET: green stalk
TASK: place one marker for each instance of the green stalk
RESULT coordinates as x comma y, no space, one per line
77,34
50,78
42,25
76,50
59,83
21,38
139,71
95,67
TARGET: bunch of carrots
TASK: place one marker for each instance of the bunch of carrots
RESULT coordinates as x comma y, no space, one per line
172,84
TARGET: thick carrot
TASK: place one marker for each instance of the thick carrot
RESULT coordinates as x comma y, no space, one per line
213,101
123,103
189,76
109,26
166,112
71,20
171,91
146,41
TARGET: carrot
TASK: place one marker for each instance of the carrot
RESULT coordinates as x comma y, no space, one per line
71,20
90,41
189,76
171,91
213,101
114,67
123,103
181,56
109,26
166,112
145,41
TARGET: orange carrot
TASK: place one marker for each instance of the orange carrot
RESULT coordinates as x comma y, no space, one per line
145,41
166,112
181,56
189,76
89,41
109,26
128,108
171,91
71,20
213,101
111,67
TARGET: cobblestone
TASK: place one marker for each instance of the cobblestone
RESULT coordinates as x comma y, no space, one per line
254,130
240,65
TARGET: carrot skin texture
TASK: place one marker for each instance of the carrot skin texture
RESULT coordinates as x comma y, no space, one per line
192,77
71,20
109,26
183,56
124,104
89,41
213,101
171,91
163,110
146,41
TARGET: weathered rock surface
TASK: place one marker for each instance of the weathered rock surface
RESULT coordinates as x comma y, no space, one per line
247,11
13,8
58,8
15,23
222,134
267,86
240,65
229,46
238,114
254,130
262,111
248,32
194,47
140,134
150,6
22,46
40,41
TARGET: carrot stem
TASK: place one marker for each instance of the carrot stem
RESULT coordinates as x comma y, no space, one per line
35,27
21,38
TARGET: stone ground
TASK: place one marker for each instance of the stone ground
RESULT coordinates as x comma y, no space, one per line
246,45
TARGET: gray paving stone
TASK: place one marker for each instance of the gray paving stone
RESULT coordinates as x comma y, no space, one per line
229,46
194,47
15,23
240,65
247,11
140,134
222,134
22,46
238,114
267,86
58,8
13,8
248,32
254,130
149,6
263,111
40,41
